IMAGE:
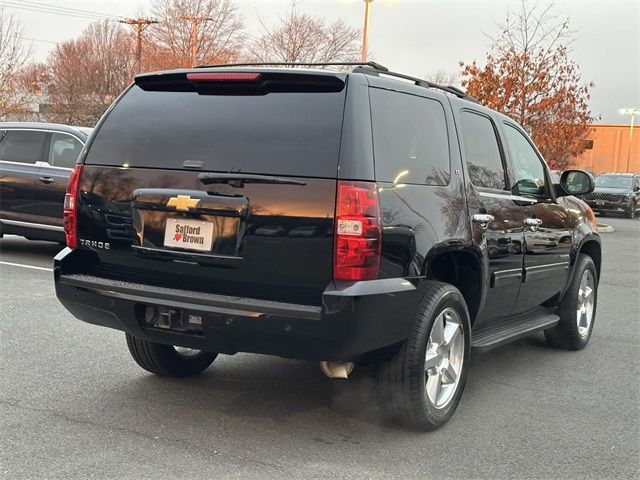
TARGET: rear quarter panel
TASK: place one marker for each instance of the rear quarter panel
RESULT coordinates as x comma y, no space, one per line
422,221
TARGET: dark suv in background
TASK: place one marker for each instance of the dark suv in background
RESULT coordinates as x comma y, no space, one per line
616,193
36,160
345,217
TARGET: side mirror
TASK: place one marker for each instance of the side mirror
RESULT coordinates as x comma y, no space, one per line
636,188
576,182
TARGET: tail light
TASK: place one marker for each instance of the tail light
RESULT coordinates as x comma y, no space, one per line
358,232
70,217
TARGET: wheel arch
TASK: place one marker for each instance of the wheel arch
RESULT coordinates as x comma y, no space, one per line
592,248
589,245
464,268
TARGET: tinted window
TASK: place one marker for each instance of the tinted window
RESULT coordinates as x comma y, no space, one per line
529,171
482,152
22,146
290,133
410,138
64,150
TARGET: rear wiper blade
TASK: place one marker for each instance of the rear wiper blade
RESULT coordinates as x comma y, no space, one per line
239,179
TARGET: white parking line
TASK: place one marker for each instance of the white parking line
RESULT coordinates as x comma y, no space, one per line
26,266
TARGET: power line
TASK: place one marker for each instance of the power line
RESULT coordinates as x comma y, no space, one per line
67,9
39,40
53,12
56,11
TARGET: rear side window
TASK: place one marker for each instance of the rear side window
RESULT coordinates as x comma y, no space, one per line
410,139
484,160
22,146
64,150
282,133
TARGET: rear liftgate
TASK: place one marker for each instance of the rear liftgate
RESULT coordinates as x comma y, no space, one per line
192,227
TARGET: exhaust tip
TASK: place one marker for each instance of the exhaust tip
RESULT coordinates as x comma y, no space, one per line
336,369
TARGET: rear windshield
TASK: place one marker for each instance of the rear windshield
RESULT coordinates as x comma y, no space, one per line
289,133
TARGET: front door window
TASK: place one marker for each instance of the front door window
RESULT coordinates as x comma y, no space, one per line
530,178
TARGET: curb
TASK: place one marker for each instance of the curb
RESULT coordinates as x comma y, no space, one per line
604,228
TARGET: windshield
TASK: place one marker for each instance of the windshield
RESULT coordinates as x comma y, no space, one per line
613,181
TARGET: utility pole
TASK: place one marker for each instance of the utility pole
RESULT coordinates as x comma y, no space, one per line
365,30
193,41
139,24
632,112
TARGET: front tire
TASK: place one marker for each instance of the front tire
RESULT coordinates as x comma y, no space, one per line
577,310
167,360
421,385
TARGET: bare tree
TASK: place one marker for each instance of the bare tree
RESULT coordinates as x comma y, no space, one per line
88,73
299,37
193,31
443,78
13,57
33,76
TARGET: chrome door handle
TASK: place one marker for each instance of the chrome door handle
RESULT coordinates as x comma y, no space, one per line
483,219
532,223
47,179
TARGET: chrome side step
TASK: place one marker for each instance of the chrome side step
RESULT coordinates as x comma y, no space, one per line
488,337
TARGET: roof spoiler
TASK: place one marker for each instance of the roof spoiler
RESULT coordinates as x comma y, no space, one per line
235,81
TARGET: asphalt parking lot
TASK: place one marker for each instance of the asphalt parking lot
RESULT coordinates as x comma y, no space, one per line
74,404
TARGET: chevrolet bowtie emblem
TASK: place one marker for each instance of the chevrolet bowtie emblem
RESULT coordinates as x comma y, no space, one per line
183,202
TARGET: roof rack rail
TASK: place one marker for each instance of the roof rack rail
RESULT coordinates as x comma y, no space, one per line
368,68
372,70
374,65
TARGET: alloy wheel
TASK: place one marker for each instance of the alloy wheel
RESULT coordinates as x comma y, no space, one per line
584,311
186,352
444,357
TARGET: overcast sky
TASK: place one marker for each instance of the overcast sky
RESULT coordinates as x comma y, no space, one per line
419,37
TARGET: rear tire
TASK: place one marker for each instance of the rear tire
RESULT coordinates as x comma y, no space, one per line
421,385
577,310
165,360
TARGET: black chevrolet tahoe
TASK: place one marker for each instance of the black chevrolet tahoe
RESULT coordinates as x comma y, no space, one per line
344,217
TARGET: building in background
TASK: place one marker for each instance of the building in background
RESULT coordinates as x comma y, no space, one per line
608,150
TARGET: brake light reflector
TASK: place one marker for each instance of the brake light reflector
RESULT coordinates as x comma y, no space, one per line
358,232
223,76
70,217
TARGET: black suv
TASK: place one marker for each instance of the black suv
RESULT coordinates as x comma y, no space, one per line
345,217
616,193
36,160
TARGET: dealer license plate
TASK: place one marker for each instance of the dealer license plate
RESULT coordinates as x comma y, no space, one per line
188,234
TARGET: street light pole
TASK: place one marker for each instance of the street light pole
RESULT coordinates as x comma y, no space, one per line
632,112
365,30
